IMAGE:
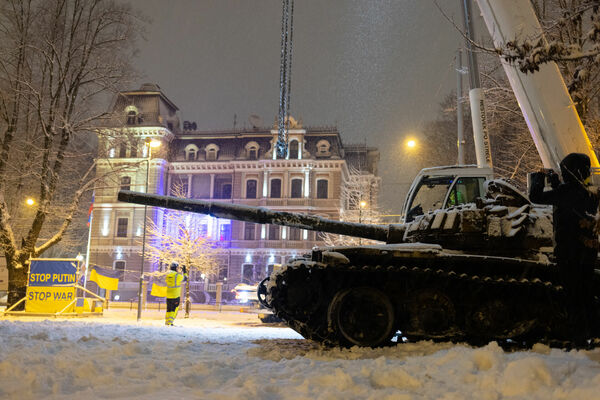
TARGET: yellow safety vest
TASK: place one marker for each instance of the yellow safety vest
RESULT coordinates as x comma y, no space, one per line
174,280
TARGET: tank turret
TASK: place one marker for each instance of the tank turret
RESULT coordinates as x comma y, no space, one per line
504,223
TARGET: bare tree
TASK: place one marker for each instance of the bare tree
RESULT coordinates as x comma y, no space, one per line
59,60
358,196
180,237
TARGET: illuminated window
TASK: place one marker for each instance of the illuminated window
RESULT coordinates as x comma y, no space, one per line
276,188
122,227
296,189
126,183
225,232
322,189
251,185
249,231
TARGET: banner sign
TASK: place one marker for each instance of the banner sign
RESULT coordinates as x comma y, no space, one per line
51,285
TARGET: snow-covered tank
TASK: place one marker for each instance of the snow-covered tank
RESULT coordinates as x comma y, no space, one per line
484,273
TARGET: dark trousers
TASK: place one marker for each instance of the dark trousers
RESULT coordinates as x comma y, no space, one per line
172,304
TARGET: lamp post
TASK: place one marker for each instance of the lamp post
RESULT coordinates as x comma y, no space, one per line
361,205
149,144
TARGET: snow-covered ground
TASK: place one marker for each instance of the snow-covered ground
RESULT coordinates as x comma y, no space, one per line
233,356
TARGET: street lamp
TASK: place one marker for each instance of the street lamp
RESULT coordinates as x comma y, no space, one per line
361,205
148,144
411,143
29,201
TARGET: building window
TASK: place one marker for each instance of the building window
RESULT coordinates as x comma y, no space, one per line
276,188
274,232
122,227
248,273
222,188
120,265
223,272
126,183
296,188
293,150
131,117
122,150
249,231
225,232
212,152
251,185
322,187
191,152
323,148
133,150
252,150
294,234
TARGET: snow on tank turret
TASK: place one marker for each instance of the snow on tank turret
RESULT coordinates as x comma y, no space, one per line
483,274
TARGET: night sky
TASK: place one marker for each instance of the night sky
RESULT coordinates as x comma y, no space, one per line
375,69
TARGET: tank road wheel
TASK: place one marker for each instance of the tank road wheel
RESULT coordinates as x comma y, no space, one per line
432,314
491,319
362,316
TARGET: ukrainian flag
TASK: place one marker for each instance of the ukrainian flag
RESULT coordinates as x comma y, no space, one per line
159,287
105,278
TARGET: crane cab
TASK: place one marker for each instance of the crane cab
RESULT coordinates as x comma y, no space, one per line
442,187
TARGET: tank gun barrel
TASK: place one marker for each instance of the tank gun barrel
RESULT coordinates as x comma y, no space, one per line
263,215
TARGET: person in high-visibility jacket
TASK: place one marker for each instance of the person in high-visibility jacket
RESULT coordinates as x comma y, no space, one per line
174,280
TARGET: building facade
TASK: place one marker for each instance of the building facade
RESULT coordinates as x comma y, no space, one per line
235,166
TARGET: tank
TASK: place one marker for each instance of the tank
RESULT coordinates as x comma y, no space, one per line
475,273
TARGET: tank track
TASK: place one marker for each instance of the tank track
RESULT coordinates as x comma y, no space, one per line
346,305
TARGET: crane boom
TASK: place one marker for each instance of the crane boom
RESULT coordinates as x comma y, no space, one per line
543,96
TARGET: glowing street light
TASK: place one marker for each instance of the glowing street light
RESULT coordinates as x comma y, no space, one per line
411,143
30,201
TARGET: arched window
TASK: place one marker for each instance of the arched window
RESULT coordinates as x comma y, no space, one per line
126,183
131,117
212,151
322,188
276,188
251,185
191,152
252,150
296,192
293,150
323,148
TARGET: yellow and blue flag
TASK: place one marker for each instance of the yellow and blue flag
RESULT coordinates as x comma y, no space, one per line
105,278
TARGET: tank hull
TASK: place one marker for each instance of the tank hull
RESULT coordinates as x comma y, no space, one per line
365,296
